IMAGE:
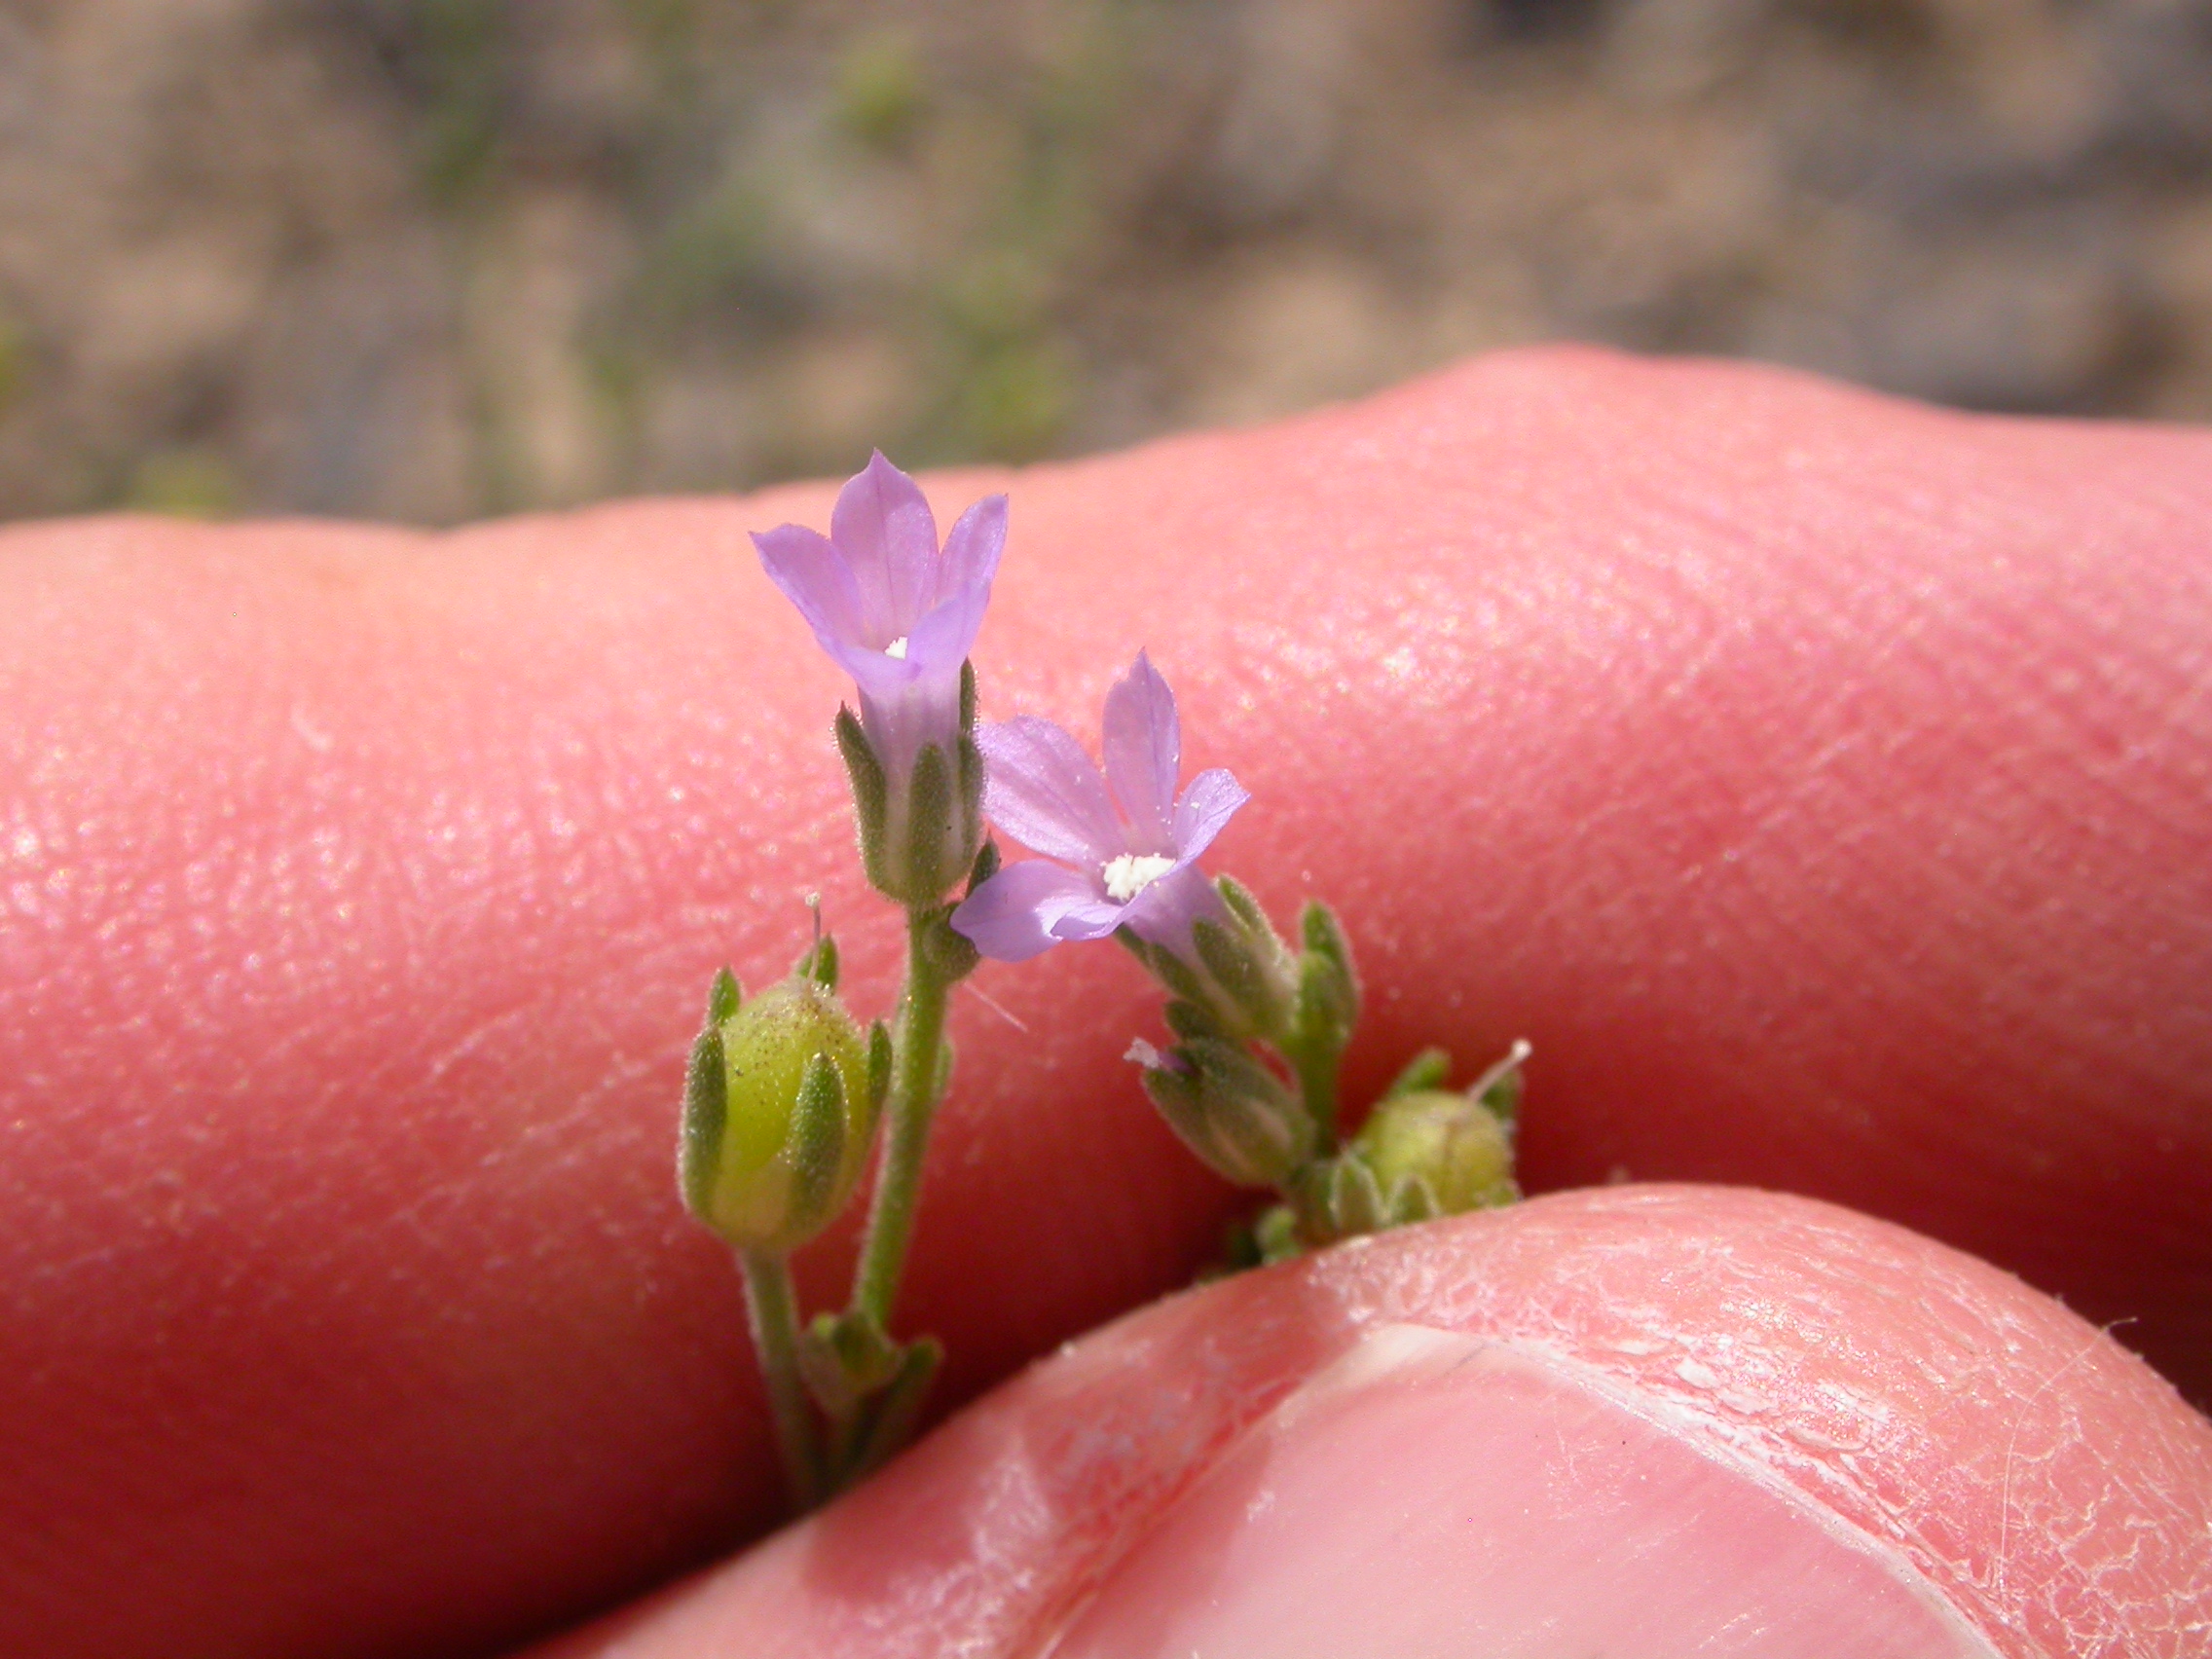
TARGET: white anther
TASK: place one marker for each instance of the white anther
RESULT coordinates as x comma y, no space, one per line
1132,874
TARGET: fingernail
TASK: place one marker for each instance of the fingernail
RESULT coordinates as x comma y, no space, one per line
1433,1494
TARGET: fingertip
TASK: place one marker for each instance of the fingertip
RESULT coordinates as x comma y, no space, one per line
1659,1420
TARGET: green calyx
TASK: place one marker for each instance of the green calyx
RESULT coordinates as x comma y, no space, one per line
1436,1152
1231,1111
778,1112
919,833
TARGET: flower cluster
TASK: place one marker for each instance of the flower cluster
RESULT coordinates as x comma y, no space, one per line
785,1094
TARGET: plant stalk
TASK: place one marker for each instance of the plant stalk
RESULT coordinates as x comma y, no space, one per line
771,1306
1316,1068
912,1103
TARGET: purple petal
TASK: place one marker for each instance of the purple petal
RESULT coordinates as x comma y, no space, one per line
1042,790
1207,806
1143,751
1011,917
1163,913
884,528
814,576
971,551
901,720
875,674
1092,919
942,640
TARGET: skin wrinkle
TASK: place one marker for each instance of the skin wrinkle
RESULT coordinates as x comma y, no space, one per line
1676,1304
2041,1586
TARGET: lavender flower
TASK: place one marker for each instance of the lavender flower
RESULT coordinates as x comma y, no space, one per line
899,617
1118,850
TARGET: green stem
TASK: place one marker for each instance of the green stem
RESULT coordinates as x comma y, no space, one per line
1317,1069
912,1103
772,1306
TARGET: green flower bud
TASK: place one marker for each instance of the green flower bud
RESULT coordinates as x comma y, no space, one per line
1229,1109
1433,1152
779,1112
1244,976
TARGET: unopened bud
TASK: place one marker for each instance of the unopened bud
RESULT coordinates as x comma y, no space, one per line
1240,971
1229,1109
779,1112
1328,985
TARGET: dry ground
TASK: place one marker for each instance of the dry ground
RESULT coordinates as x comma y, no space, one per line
428,259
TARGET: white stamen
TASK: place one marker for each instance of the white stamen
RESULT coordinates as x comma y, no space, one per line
1132,874
896,648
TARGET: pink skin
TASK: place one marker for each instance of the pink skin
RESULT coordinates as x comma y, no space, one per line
1821,783
1682,1370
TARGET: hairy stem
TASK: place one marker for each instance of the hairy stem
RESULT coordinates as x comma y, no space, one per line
912,1103
772,1307
1315,1065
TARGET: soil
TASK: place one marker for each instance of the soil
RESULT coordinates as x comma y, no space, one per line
431,259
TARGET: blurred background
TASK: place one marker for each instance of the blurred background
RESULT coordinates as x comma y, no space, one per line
434,259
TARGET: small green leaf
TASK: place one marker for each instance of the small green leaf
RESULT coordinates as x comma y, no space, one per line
706,1108
817,1144
1326,1006
819,963
869,1357
1502,1098
1426,1070
1228,1066
1177,1096
1232,1112
928,826
1413,1200
1276,1234
1243,907
1210,1125
823,1369
880,1062
1187,1020
986,865
951,953
1355,1201
1230,963
1323,936
846,1357
1169,970
970,829
1320,930
725,997
895,1409
871,796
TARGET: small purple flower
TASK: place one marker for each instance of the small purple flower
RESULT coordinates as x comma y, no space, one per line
1118,850
896,614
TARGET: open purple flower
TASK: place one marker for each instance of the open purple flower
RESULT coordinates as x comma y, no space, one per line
896,614
899,617
1118,850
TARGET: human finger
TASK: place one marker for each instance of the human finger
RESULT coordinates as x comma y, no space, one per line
1815,779
1660,1421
